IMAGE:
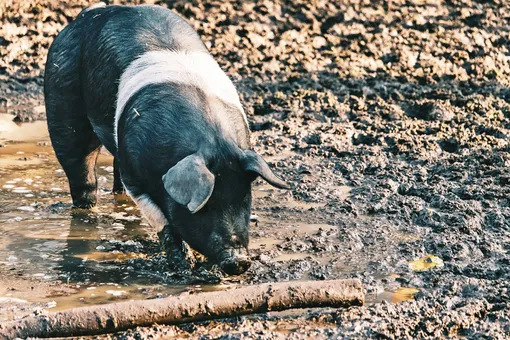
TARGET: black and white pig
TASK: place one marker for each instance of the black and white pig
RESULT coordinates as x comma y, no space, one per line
140,81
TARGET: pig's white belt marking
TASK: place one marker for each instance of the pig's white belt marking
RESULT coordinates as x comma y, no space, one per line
150,210
189,68
95,6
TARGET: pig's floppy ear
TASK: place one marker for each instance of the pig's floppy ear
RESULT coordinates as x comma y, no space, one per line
253,162
190,183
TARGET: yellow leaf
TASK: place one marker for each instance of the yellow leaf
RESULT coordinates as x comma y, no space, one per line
403,294
426,263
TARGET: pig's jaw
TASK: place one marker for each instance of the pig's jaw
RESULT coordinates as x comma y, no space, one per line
234,261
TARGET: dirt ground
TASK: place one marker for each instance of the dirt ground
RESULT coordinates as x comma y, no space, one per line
391,119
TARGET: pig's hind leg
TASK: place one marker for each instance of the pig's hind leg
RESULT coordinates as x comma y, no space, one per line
74,141
72,136
77,149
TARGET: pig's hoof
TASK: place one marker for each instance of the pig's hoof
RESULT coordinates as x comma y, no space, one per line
118,188
85,202
84,205
235,266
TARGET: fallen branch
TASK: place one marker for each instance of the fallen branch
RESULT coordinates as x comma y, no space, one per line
186,308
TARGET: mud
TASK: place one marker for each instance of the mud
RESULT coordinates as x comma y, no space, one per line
390,119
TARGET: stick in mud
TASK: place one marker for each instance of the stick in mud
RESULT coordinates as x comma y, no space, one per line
180,309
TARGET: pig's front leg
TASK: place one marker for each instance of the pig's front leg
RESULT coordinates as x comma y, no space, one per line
118,187
179,253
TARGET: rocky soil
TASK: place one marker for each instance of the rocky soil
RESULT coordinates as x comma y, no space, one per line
391,119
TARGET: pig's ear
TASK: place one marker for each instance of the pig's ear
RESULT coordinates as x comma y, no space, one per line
190,183
254,163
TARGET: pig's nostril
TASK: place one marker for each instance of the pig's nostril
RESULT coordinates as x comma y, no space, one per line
235,266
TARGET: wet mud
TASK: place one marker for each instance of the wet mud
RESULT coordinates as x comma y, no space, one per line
391,120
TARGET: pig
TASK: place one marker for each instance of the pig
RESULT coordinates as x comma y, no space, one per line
139,81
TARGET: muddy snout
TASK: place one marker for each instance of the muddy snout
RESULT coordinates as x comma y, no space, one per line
234,261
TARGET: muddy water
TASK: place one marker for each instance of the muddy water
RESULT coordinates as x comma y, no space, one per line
104,255
43,240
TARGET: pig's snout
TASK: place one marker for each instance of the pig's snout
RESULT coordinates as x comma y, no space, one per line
234,261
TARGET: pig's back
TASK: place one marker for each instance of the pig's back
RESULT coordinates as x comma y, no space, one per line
104,42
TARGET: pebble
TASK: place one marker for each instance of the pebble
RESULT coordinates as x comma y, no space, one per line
116,292
51,304
11,300
264,258
117,225
21,191
26,208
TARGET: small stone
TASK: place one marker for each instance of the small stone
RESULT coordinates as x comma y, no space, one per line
264,258
21,191
117,226
26,208
51,304
319,42
116,292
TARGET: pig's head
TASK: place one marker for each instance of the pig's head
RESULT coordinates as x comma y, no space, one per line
211,204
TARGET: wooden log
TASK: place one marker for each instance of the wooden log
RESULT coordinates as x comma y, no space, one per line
115,317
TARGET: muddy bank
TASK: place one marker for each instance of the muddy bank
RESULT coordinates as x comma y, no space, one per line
391,122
